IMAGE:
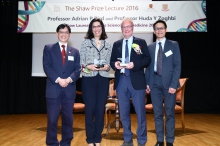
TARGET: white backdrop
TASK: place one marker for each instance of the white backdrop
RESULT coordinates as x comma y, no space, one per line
40,39
44,17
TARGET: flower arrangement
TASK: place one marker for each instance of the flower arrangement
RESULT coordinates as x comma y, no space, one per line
136,48
85,69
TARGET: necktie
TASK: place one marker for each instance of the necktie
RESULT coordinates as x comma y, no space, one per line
159,60
63,54
127,71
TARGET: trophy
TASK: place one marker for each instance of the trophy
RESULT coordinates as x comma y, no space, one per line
98,63
123,62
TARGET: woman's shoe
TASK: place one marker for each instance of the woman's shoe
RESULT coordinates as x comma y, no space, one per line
97,144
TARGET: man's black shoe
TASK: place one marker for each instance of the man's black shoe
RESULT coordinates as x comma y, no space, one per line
169,144
159,144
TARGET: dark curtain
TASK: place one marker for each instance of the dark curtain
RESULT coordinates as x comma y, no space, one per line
22,93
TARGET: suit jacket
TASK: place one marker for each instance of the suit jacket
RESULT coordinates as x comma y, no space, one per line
89,52
53,67
140,61
171,65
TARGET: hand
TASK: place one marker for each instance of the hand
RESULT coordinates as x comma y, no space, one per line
147,89
130,65
106,67
67,80
117,65
172,90
62,82
92,67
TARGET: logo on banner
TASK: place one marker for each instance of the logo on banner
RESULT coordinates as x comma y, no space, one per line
150,8
56,8
165,7
27,8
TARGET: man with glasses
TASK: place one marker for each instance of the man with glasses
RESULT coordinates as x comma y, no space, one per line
128,59
162,78
61,64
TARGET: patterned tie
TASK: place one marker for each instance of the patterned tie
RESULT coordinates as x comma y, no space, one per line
127,71
63,54
159,60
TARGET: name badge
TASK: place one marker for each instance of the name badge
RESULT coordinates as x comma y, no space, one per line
70,58
168,53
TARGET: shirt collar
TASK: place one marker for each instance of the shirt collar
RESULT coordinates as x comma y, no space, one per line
63,44
129,40
162,41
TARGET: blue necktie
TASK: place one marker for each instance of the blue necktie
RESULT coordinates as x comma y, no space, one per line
127,71
159,60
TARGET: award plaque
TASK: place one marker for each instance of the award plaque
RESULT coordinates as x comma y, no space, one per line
99,65
123,64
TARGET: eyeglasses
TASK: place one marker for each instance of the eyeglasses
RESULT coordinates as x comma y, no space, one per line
63,32
98,26
159,28
129,26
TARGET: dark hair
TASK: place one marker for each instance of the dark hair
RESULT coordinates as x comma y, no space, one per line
159,21
90,35
62,26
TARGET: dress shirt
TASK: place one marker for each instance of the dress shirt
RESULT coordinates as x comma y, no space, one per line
130,40
61,48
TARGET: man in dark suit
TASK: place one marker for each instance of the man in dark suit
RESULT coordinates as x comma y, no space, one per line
62,66
130,80
162,78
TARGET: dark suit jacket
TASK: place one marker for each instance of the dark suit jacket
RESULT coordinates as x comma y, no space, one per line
53,67
171,65
140,62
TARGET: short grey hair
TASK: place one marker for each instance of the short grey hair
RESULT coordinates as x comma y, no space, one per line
127,19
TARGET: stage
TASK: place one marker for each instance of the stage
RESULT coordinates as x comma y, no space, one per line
30,130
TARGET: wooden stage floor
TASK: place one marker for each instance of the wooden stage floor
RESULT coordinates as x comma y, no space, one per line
30,130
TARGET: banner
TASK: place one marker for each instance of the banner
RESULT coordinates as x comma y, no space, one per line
181,16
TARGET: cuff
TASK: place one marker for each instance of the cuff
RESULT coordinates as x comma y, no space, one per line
57,80
70,79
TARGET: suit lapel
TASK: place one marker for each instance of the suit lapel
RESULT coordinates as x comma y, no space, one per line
166,48
68,53
58,53
120,47
132,53
154,51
